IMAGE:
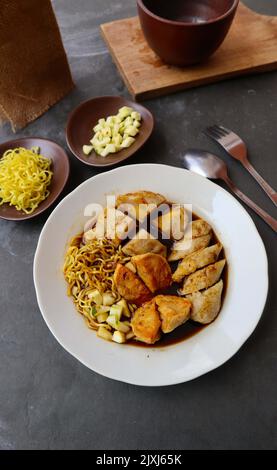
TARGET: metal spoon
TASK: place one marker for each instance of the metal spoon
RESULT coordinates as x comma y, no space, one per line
208,165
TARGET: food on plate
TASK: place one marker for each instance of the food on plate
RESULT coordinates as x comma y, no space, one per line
140,203
142,243
174,311
196,260
88,270
184,247
113,276
164,313
146,323
25,177
154,270
173,223
100,228
198,228
197,236
203,278
114,133
130,286
140,197
206,305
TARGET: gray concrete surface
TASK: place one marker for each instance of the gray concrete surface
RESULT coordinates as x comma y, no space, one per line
50,401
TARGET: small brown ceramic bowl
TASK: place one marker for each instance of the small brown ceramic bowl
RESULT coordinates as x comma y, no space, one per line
80,125
185,32
60,168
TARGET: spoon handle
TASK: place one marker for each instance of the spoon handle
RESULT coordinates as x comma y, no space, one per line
272,194
264,215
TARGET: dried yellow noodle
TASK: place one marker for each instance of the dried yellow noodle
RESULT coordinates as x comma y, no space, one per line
89,267
24,179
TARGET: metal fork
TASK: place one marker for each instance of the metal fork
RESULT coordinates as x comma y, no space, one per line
236,147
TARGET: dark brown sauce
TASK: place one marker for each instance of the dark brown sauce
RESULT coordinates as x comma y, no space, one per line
190,328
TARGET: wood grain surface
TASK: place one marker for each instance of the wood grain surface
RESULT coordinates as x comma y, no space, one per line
250,47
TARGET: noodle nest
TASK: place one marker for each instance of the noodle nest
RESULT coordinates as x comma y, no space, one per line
89,267
24,179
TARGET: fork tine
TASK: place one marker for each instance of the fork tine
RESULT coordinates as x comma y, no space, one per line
221,131
213,133
230,133
224,129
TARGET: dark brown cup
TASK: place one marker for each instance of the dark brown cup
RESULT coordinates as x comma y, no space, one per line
185,32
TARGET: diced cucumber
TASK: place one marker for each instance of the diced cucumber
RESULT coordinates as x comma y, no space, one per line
114,133
125,111
93,311
116,128
128,122
110,120
108,299
127,142
116,310
96,297
97,129
102,332
131,131
119,337
105,141
117,140
125,309
122,327
107,132
136,116
87,149
113,321
103,309
137,124
118,119
102,318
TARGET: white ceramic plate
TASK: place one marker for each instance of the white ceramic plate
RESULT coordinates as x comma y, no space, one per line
244,301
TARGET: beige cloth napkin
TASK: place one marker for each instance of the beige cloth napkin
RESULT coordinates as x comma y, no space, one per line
34,72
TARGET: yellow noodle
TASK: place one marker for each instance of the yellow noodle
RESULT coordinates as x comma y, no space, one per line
24,179
88,267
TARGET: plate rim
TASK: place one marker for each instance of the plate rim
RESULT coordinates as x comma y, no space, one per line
38,211
169,382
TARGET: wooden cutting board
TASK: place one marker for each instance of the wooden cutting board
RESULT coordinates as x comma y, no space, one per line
251,46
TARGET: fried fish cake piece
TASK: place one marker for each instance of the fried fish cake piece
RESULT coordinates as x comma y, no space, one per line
197,236
198,228
174,311
117,229
206,305
154,270
140,197
196,260
173,223
142,202
203,278
146,323
187,246
143,243
130,286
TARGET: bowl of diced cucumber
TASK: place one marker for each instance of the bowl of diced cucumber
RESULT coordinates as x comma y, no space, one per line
106,130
